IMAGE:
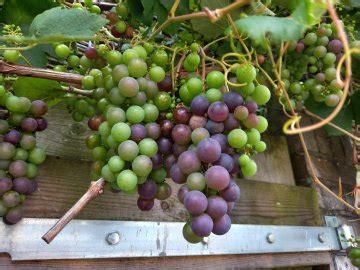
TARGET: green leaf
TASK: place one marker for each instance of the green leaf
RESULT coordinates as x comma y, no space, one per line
37,56
20,12
308,12
34,88
58,23
258,28
343,119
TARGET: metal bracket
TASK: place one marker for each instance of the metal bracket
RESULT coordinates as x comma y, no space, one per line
114,239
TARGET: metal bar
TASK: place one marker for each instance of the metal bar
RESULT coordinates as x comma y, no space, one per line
114,239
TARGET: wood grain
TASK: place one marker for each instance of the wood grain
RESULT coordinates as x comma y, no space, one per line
247,262
62,182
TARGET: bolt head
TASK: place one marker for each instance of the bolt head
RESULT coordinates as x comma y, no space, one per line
113,238
322,237
270,238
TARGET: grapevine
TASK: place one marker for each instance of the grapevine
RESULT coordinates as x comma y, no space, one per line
167,106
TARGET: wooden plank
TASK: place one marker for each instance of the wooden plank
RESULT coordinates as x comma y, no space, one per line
66,138
63,181
247,262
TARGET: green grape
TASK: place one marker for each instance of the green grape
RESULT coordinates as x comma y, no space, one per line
138,68
151,112
160,58
73,61
31,170
162,100
141,51
127,180
262,124
92,141
309,84
37,156
189,235
246,73
261,94
135,114
62,51
128,150
310,39
330,74
313,69
13,103
194,47
323,41
128,55
185,95
193,59
157,74
11,55
114,58
15,119
329,59
119,72
148,47
99,153
312,60
20,154
107,174
88,82
196,181
320,51
85,62
336,85
215,79
115,115
104,129
148,147
111,142
122,10
244,160
116,164
295,88
128,87
121,132
188,67
213,95
246,90
260,146
194,86
109,82
142,165
116,97
4,126
158,175
95,9
120,26
285,74
2,91
237,138
253,136
249,169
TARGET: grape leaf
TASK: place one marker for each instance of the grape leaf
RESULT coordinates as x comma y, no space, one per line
343,119
34,88
258,28
58,24
308,12
37,56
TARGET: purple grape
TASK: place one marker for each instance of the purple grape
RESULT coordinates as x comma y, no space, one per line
29,124
218,111
320,77
230,207
166,127
335,46
147,190
251,121
225,161
241,113
12,198
178,149
18,168
13,137
300,47
197,122
222,225
229,150
165,145
4,114
199,105
169,161
14,215
188,162
157,161
202,225
232,100
181,134
236,166
145,205
217,207
182,193
153,130
181,115
138,132
222,140
251,106
208,150
231,193
195,202
176,175
41,124
38,108
217,178
214,127
6,184
33,187
231,123
22,185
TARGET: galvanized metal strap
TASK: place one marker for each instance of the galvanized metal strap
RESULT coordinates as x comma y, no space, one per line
115,239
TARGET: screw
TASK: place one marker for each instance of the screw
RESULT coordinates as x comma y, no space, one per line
322,237
270,238
113,238
205,241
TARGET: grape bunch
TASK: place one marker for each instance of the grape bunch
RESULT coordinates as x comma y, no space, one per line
354,256
20,119
311,67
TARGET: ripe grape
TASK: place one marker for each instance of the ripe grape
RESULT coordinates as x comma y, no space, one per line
218,111
157,161
166,128
153,130
251,121
195,202
181,115
188,162
208,150
18,168
222,225
231,123
178,149
197,122
165,84
225,161
177,175
164,145
138,132
12,199
199,105
232,100
27,142
217,178
147,190
38,108
13,137
22,185
14,215
231,193
217,207
169,161
201,225
145,205
6,184
332,100
189,235
181,134
214,127
335,46
241,113
7,150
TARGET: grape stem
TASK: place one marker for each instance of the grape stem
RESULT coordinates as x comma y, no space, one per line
95,189
71,89
213,15
25,71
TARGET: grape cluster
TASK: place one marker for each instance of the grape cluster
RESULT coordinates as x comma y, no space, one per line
354,256
20,119
311,67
